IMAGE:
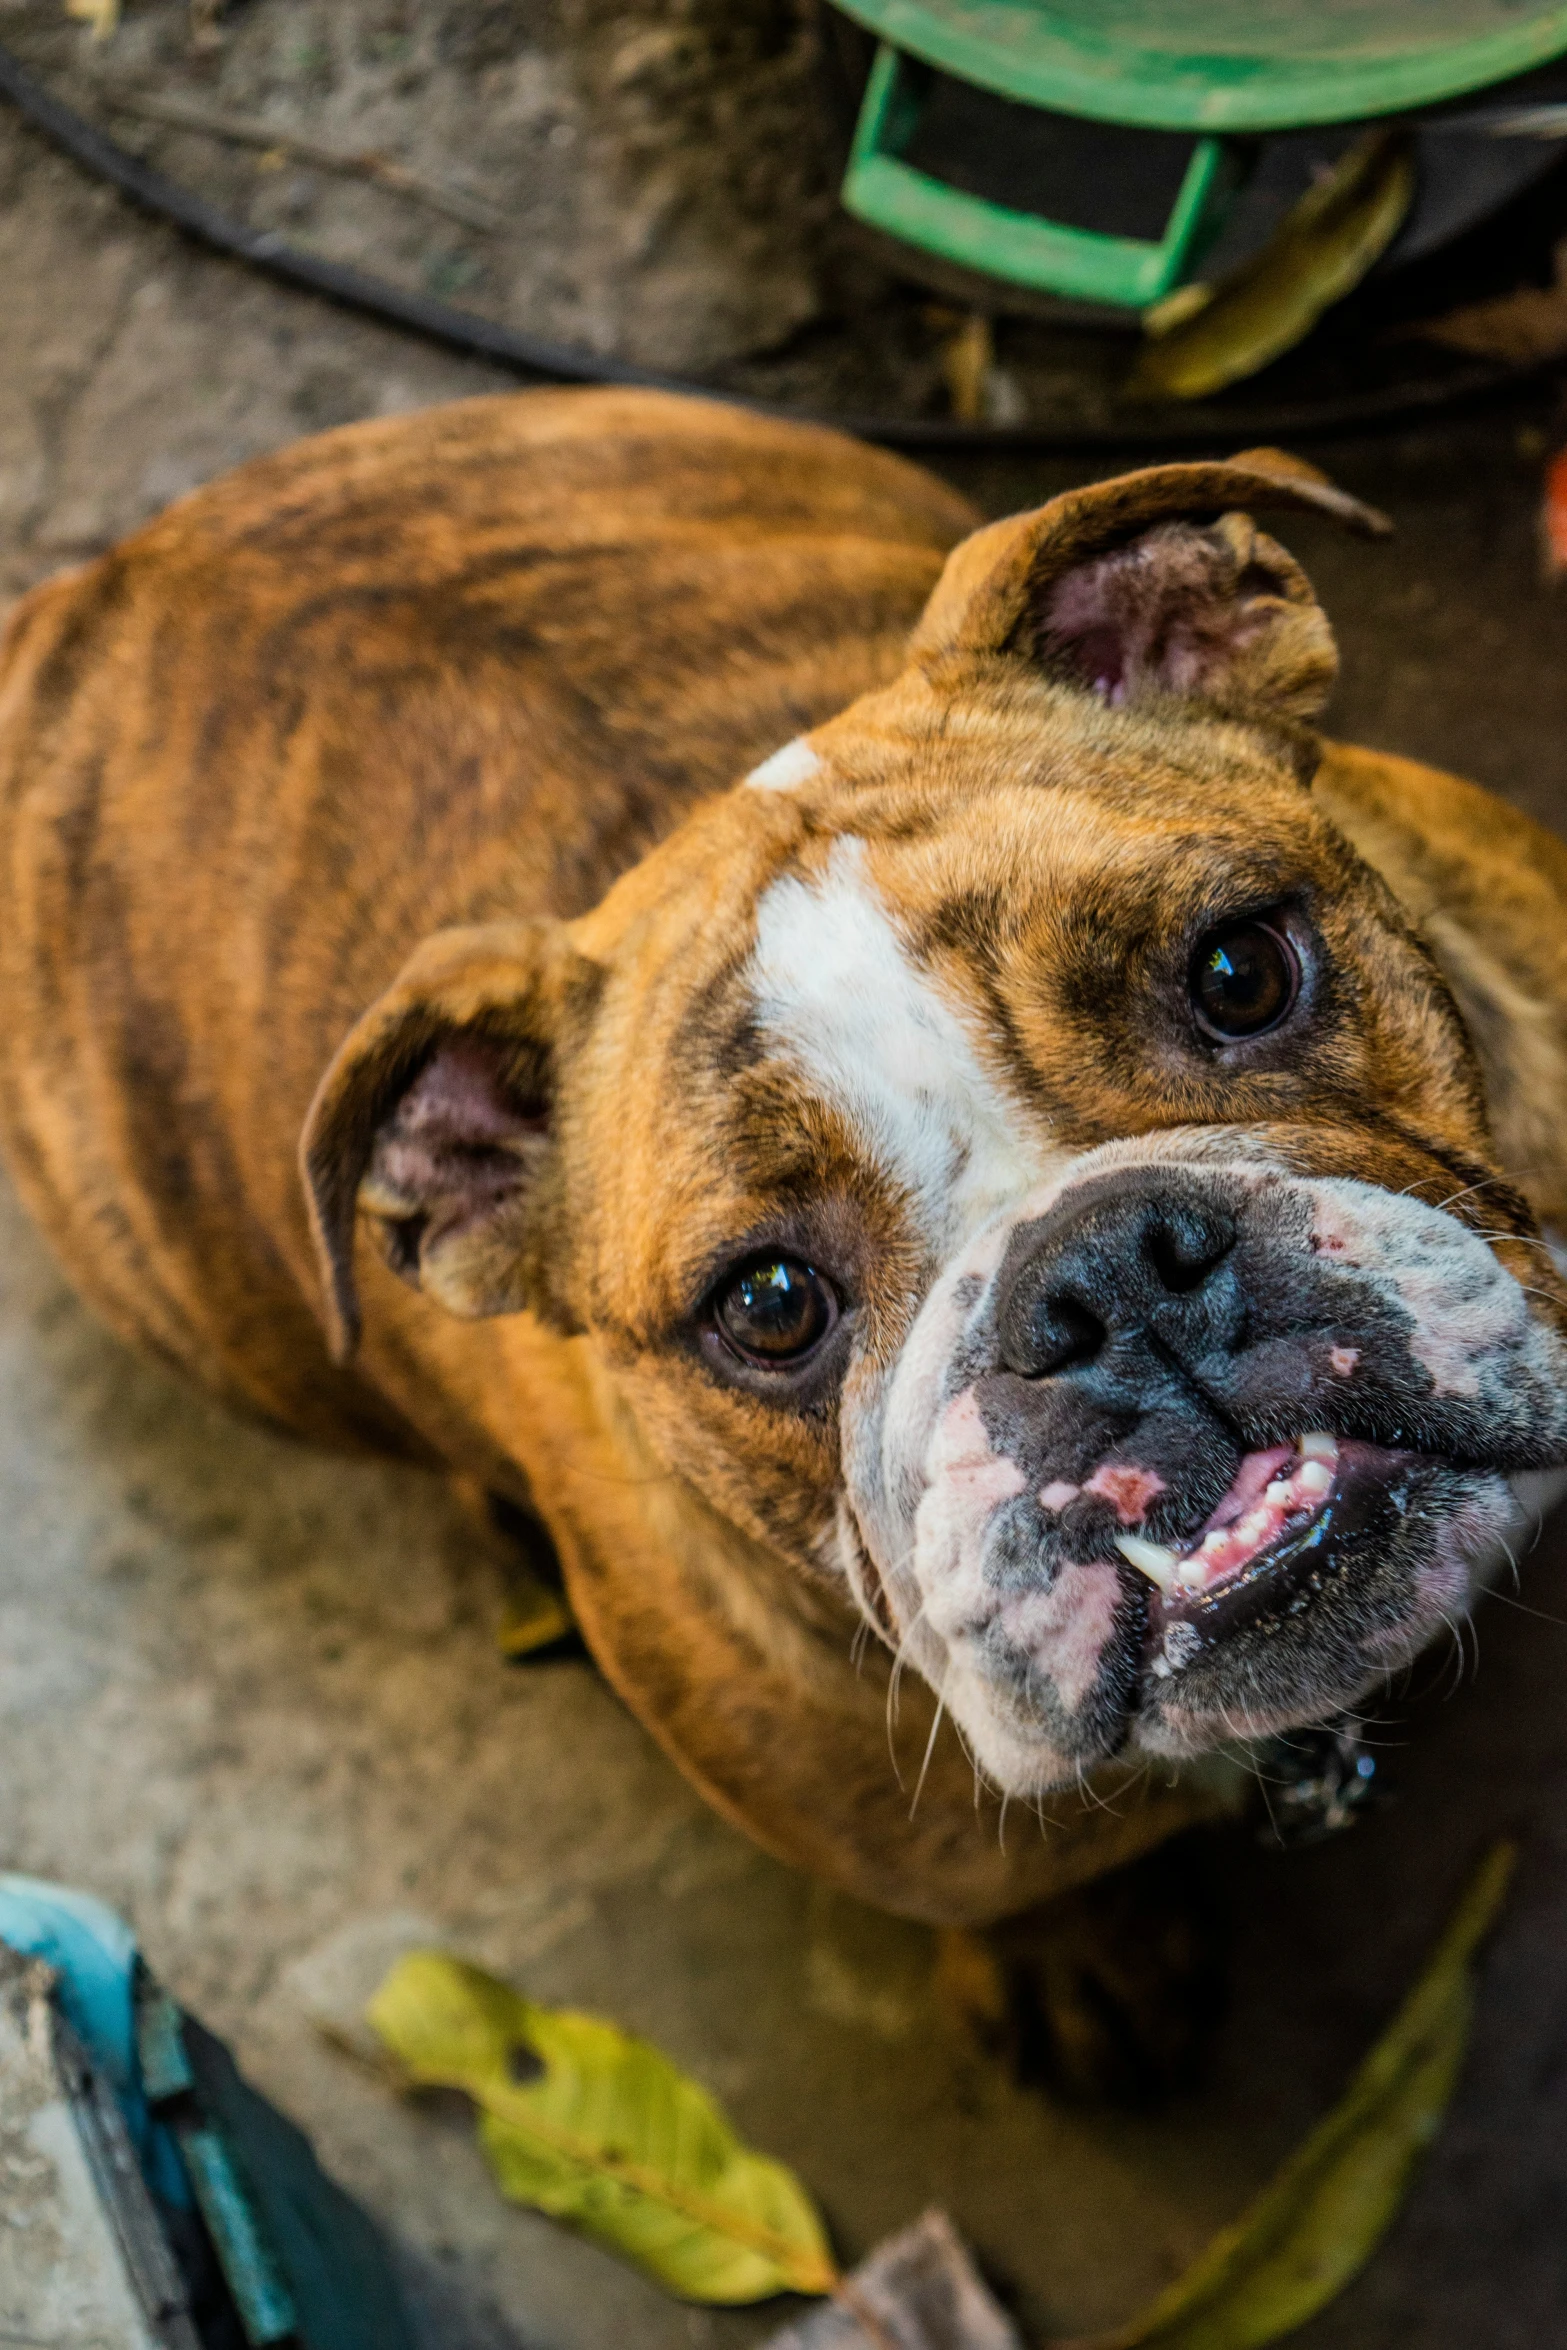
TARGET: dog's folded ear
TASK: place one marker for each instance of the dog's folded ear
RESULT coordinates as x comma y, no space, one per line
434,1122
1156,580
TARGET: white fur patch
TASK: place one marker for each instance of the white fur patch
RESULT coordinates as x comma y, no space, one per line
966,1482
874,1039
1066,1625
795,764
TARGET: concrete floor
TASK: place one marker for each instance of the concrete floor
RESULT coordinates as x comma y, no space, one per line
252,1696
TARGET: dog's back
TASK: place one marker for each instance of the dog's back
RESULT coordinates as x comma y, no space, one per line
467,663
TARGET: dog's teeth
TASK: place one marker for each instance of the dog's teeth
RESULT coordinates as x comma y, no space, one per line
1278,1493
1313,1477
1318,1445
1191,1574
1150,1559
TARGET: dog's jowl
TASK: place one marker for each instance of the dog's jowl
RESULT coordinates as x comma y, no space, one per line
878,1076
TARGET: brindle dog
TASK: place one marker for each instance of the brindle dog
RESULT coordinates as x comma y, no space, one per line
1046,1173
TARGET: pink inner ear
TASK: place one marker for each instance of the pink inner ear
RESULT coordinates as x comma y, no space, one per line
1099,658
448,1152
456,1101
1165,611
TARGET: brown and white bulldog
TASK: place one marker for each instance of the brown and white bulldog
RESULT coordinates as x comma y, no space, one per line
1040,1179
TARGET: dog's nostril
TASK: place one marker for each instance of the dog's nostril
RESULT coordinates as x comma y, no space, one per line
1057,1334
1184,1248
1098,1281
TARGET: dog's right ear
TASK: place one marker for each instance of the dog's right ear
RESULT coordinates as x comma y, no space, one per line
1156,580
434,1122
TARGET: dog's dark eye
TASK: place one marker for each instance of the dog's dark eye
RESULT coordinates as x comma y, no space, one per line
775,1310
1244,980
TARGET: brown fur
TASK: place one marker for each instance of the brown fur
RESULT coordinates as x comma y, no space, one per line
469,679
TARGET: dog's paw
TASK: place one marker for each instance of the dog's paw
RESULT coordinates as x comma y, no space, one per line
1107,1995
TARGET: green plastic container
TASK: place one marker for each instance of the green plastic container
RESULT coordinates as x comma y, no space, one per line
1222,70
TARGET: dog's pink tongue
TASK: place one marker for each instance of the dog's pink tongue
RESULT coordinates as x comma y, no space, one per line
1255,1473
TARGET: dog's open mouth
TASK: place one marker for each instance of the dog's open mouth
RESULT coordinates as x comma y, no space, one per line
1277,1527
1274,1492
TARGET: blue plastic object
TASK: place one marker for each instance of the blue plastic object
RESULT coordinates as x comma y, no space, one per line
303,2266
94,1953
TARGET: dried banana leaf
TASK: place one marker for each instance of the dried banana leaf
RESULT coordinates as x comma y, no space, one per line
1318,254
1319,2221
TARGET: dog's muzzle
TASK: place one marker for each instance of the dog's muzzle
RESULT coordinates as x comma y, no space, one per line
1210,1449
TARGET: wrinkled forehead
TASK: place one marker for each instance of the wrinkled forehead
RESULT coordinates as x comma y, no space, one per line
938,934
985,823
916,979
904,996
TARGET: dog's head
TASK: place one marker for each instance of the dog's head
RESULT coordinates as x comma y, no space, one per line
1015,1158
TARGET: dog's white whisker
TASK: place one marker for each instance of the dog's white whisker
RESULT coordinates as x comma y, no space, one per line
930,1748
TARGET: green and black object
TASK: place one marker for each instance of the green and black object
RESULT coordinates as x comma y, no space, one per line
1096,151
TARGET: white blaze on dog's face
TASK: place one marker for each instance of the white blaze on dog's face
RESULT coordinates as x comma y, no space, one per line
1019,1163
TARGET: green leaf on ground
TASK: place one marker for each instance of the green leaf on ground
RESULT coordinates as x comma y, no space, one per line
598,2129
1317,255
1319,2221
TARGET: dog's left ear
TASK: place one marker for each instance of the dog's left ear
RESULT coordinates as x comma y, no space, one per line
435,1123
1157,580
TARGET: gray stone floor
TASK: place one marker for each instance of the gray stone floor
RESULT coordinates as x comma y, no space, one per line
252,1696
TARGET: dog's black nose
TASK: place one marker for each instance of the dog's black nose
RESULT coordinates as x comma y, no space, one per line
1144,1253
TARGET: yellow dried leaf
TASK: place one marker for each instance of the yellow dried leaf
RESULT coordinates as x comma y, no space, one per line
599,2129
102,15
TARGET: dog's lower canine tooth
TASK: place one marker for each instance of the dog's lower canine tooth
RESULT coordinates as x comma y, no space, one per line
1150,1559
